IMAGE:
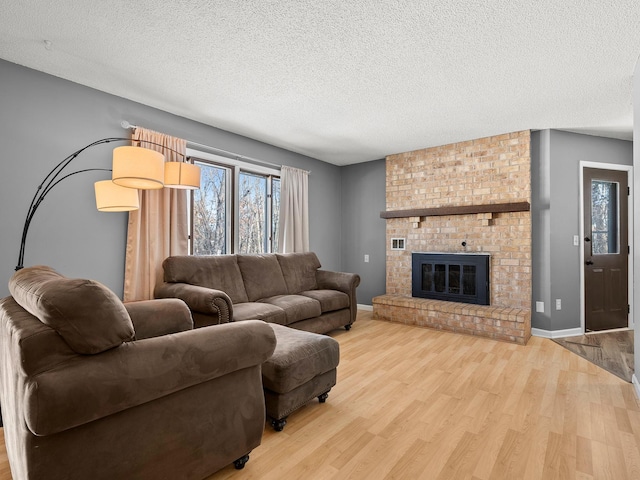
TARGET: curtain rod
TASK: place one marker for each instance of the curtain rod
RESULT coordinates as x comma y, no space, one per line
225,153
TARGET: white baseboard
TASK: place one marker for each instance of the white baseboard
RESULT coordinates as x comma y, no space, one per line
368,308
636,385
569,332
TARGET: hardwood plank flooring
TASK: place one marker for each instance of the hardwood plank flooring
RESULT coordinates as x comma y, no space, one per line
414,403
612,351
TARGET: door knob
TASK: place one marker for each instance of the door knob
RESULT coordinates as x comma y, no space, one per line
587,239
589,262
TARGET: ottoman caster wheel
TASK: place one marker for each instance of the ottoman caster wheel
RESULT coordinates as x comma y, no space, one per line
347,327
278,425
323,398
239,463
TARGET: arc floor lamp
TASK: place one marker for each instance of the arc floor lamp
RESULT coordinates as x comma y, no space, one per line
134,168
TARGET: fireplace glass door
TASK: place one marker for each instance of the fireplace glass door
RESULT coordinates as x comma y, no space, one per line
452,277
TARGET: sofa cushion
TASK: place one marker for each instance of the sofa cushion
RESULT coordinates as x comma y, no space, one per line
299,270
220,272
330,300
85,313
296,307
262,276
299,356
40,346
259,311
154,318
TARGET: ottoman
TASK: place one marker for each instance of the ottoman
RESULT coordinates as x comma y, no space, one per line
302,367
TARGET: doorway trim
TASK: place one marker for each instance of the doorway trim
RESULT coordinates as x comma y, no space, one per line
616,167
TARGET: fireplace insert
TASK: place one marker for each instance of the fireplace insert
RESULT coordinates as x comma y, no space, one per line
453,277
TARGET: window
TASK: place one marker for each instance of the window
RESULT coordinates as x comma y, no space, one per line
605,223
252,221
275,212
210,211
236,209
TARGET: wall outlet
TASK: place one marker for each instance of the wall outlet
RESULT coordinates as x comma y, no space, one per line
576,240
558,304
540,307
366,258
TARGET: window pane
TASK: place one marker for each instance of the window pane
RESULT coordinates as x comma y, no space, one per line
275,213
252,215
604,217
210,211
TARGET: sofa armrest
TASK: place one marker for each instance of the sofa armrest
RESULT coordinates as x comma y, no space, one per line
153,318
343,282
199,299
89,387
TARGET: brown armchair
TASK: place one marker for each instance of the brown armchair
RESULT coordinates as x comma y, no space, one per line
94,388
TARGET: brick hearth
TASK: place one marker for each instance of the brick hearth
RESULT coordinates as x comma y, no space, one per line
490,170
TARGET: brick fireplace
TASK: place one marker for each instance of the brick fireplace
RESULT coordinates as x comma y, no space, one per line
469,197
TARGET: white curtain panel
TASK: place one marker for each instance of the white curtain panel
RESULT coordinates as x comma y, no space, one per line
293,228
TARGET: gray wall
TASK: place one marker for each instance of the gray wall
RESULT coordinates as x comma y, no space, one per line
540,228
363,231
556,157
45,118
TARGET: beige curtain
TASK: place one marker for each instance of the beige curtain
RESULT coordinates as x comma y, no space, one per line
158,229
293,228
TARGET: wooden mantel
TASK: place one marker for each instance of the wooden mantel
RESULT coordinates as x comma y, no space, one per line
459,210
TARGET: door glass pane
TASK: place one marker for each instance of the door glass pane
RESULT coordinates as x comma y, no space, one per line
604,217
252,218
209,232
439,279
427,277
454,279
469,280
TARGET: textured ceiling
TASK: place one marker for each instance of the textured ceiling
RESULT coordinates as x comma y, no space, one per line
346,81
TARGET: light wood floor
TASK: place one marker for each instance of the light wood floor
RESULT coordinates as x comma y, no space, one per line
414,403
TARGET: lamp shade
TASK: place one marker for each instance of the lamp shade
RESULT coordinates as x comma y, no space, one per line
181,175
114,198
137,167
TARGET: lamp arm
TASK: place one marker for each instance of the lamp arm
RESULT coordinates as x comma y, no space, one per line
50,187
62,165
55,171
36,203
51,180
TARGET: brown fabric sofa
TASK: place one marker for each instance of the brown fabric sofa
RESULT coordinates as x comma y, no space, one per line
94,388
287,289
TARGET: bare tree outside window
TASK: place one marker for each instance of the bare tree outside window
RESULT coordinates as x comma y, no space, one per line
209,211
234,211
604,217
252,219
